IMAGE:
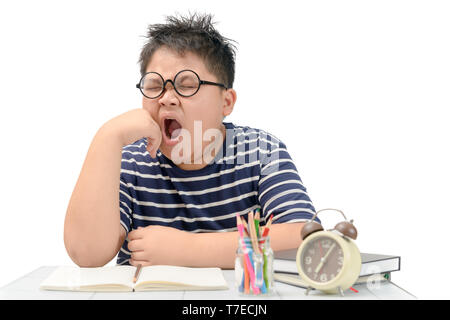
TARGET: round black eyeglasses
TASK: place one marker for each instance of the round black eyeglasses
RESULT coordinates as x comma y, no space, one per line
186,83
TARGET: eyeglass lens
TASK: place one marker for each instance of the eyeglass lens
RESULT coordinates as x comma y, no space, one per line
186,83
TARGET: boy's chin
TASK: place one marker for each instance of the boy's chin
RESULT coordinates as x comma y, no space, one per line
176,155
172,152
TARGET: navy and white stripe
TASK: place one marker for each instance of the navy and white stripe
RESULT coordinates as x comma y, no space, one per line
253,170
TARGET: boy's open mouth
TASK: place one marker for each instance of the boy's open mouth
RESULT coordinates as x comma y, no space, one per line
172,129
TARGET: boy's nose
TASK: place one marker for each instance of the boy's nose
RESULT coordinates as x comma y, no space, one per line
169,96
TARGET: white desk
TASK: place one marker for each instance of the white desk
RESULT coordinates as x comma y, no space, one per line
27,287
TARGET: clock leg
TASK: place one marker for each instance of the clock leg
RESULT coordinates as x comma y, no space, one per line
341,292
307,291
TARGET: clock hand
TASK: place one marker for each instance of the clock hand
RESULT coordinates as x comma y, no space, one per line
323,260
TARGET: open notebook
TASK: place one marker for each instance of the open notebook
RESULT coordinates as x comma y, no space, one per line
120,278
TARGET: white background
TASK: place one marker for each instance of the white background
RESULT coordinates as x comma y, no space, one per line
358,91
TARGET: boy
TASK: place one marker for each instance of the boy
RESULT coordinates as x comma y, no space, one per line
163,184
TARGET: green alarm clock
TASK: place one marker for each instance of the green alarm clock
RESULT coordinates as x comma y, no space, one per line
329,260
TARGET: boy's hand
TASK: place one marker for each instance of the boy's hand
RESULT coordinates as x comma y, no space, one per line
158,245
134,125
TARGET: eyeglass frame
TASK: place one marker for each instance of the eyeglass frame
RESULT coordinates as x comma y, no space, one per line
200,83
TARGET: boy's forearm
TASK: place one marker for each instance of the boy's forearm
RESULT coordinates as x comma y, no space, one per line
92,228
219,249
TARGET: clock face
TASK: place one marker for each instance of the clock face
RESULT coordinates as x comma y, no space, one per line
322,259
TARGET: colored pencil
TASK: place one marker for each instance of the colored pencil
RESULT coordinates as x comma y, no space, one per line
259,273
246,281
245,226
267,227
257,223
251,227
137,273
244,230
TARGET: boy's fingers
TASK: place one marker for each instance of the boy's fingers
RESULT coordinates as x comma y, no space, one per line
135,245
152,146
155,140
136,234
138,256
149,146
138,262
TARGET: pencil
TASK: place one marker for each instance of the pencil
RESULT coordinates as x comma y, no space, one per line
267,227
257,223
240,223
137,273
265,233
246,229
252,232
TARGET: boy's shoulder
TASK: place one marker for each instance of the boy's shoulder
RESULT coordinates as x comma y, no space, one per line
247,133
250,145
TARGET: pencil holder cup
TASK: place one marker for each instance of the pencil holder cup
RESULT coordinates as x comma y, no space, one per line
254,266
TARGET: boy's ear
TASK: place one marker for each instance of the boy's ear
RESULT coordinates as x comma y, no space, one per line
229,101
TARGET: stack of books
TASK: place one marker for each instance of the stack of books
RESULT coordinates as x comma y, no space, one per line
374,267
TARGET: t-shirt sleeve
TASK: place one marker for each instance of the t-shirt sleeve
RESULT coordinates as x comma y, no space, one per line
125,206
280,190
125,193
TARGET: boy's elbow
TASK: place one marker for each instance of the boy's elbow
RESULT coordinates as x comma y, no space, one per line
89,264
83,258
92,251
83,255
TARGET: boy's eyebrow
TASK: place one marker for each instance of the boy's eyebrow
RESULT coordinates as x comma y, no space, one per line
184,76
153,81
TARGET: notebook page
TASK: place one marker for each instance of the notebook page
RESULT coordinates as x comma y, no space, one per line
204,277
72,278
108,275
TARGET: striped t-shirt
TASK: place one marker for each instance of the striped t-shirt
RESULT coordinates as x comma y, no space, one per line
252,170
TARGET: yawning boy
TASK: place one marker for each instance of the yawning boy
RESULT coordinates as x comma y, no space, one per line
163,184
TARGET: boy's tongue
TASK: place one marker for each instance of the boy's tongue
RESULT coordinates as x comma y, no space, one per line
174,129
